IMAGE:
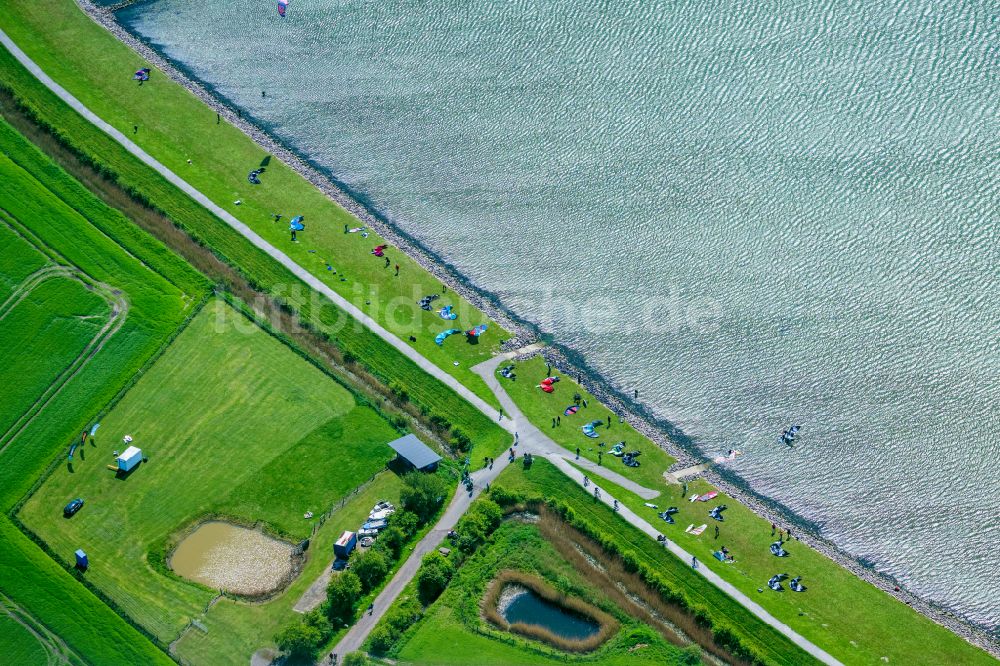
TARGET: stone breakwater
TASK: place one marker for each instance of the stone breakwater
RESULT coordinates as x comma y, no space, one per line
644,421
523,332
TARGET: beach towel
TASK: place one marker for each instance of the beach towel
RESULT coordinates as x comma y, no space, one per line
696,531
571,410
708,496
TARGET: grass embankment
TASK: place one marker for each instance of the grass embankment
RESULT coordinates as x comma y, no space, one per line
439,406
455,619
76,229
227,417
544,481
174,126
541,408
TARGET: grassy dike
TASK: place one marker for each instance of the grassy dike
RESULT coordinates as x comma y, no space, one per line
436,401
174,126
49,30
853,620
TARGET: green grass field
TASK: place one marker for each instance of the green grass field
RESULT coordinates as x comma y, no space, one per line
17,644
18,260
174,126
45,332
71,227
454,620
227,417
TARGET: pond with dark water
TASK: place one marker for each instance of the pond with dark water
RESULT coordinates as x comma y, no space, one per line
520,604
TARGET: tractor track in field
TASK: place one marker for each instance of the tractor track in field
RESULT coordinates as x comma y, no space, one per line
30,283
57,652
119,308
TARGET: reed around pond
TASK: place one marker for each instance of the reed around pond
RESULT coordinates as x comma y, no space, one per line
607,625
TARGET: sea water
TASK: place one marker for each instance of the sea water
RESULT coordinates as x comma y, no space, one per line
756,213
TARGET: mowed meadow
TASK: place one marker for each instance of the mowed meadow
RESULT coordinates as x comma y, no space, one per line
233,423
52,223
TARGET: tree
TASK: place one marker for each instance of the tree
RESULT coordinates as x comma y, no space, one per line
341,595
491,513
391,541
471,533
406,521
371,569
381,639
299,640
432,579
459,440
422,494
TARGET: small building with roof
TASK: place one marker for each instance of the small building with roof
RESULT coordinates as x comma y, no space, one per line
415,454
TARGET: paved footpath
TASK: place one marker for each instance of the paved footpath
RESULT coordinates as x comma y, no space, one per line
531,438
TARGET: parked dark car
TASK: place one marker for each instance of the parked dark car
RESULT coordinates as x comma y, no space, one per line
72,507
340,565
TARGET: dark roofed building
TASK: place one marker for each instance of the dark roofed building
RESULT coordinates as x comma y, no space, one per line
415,453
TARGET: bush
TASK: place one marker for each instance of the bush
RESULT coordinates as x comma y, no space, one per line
371,569
422,494
355,659
299,641
391,541
407,521
460,441
504,497
402,616
471,533
341,595
490,512
381,639
432,579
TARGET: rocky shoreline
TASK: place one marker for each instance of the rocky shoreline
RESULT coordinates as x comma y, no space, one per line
523,332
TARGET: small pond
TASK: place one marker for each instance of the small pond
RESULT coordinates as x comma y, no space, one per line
232,558
519,604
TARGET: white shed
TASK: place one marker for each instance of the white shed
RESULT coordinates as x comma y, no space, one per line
129,459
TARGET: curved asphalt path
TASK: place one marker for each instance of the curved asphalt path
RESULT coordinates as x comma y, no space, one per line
533,441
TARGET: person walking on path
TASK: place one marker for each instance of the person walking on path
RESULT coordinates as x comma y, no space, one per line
578,453
694,562
615,507
586,481
516,438
597,493
600,457
501,415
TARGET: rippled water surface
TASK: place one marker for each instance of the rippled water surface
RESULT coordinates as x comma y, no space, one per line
758,213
